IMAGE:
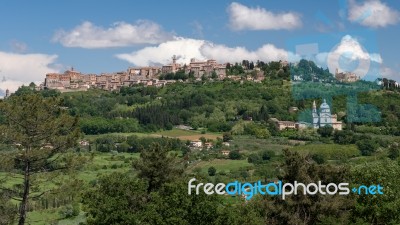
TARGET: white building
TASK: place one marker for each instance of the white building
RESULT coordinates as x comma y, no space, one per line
324,117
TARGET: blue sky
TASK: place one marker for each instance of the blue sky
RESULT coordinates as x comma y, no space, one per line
106,36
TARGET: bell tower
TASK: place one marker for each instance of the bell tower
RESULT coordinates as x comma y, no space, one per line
315,116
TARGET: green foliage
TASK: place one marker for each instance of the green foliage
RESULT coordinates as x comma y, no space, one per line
117,199
367,146
212,171
258,130
172,205
318,158
69,211
214,105
310,71
254,158
123,199
267,155
226,136
394,151
156,166
99,125
344,137
235,155
325,131
179,75
44,132
7,211
137,144
27,90
329,151
114,166
378,209
235,69
309,209
308,134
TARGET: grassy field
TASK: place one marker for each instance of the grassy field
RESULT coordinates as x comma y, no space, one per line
174,133
188,134
52,216
329,151
221,165
248,144
106,163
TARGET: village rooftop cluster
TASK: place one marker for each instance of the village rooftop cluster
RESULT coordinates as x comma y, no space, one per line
148,76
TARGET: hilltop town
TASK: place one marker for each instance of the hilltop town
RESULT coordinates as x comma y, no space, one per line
148,76
73,80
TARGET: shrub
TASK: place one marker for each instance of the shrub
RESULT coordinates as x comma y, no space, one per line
234,155
254,158
318,158
69,211
212,171
114,166
325,131
394,151
367,146
226,136
343,137
267,155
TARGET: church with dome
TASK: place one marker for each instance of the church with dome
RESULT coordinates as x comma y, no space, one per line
323,117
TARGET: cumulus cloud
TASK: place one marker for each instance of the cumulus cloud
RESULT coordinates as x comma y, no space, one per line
120,34
18,69
242,17
185,49
372,13
267,52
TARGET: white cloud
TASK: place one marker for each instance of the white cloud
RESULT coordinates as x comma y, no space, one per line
120,34
185,49
244,18
266,53
372,13
20,69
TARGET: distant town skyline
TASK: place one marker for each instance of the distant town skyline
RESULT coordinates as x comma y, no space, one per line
42,37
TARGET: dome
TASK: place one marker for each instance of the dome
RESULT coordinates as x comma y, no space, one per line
324,105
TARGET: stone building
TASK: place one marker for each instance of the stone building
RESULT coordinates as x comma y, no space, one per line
346,77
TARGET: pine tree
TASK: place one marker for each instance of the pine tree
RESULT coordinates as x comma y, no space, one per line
41,131
157,166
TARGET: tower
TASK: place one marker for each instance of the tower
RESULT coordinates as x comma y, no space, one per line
174,59
174,64
7,94
315,116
